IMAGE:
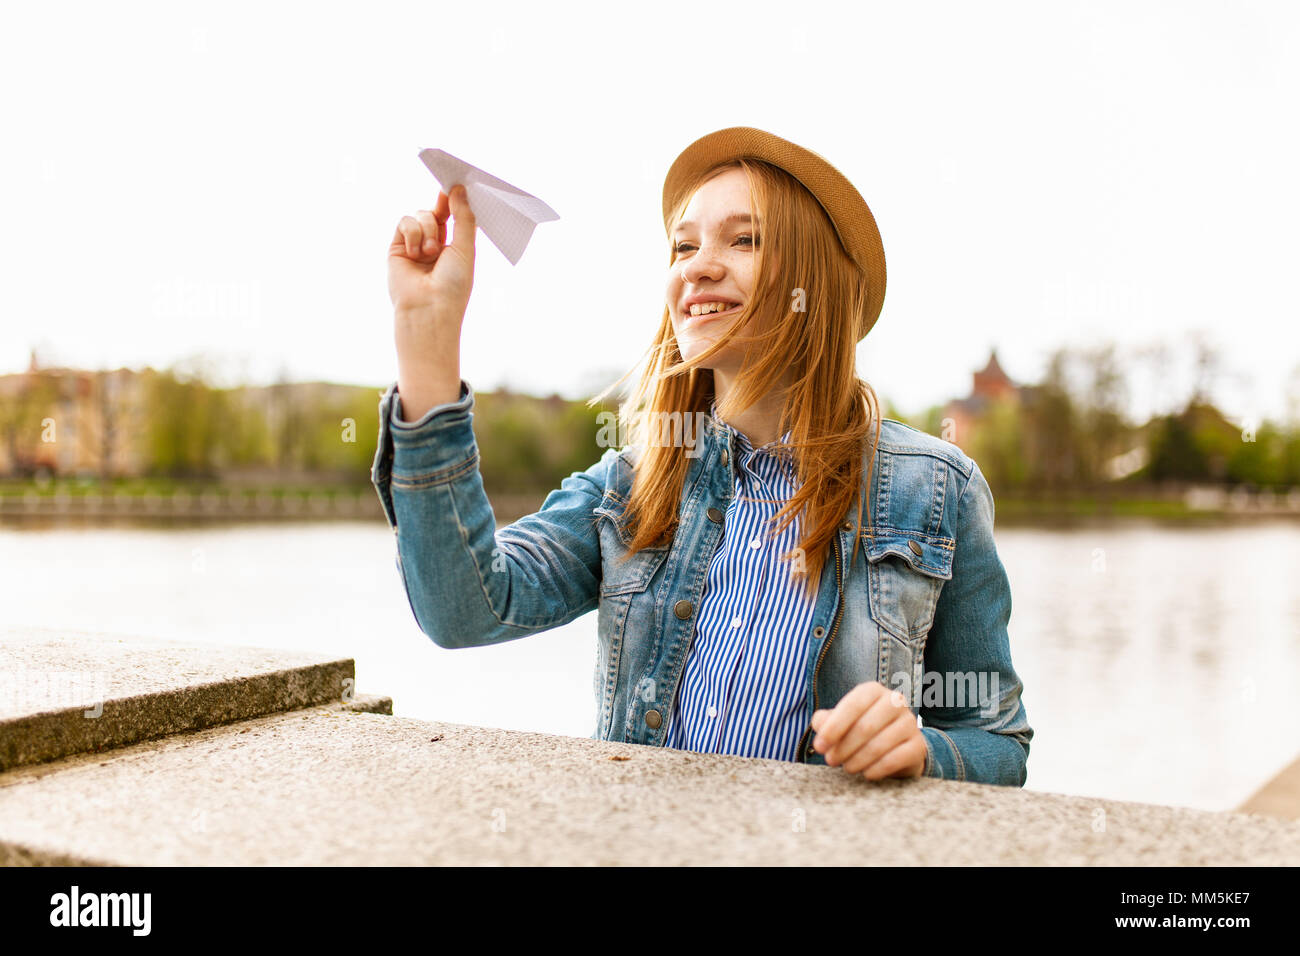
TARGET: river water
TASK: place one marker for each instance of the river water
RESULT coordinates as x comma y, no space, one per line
1160,663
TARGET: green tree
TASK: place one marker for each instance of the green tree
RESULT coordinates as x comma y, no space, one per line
1174,455
1260,462
1105,431
21,414
1051,431
184,421
999,447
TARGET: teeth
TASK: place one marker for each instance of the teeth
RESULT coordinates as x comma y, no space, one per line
704,308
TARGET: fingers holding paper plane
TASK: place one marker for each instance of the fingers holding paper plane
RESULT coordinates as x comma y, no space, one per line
462,239
425,272
423,235
434,231
507,214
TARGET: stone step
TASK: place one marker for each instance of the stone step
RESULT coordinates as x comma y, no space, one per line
1280,797
328,786
66,692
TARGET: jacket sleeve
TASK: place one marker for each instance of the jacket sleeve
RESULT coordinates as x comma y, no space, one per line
468,583
986,741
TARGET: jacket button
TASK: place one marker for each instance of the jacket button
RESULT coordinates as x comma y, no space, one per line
848,526
653,719
724,456
715,515
683,610
916,548
818,631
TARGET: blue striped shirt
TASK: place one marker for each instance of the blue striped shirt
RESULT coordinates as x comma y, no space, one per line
743,690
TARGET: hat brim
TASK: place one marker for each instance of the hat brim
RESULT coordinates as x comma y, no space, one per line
854,224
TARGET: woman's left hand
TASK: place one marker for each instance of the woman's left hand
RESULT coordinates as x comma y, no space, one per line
871,731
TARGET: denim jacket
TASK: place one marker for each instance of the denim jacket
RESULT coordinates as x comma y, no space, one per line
922,608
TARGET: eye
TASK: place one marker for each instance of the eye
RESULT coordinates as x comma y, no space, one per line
682,246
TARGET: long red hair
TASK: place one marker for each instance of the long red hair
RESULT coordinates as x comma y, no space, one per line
806,300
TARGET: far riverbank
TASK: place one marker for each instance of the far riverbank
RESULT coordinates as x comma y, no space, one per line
175,499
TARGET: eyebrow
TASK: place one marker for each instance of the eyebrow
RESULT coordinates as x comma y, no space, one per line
734,217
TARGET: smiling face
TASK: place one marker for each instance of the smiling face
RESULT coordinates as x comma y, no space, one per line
712,272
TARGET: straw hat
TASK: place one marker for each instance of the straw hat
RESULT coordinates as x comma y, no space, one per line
848,211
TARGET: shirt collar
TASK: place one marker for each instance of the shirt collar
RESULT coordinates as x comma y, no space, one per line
741,440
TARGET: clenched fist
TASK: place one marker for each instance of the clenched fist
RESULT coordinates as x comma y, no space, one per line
871,731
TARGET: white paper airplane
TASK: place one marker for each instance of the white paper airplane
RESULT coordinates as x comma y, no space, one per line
506,213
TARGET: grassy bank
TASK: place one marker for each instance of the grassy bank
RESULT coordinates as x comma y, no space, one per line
166,487
1092,506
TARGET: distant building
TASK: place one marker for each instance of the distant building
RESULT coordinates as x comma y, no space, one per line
71,421
80,423
962,416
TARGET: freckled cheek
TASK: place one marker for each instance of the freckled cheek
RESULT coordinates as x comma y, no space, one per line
745,277
672,289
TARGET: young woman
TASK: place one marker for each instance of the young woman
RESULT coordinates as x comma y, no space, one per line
778,571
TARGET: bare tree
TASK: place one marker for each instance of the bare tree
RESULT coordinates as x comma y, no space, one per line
1104,406
107,405
1207,367
1158,359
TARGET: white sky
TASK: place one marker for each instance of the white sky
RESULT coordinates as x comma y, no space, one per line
226,179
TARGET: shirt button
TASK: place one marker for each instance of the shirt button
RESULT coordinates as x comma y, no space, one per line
756,543
715,515
736,622
653,719
683,609
712,711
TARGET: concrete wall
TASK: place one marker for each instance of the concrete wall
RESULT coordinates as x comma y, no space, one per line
316,779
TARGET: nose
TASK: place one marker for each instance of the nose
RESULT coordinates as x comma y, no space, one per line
705,263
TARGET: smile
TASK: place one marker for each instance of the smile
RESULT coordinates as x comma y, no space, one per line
691,320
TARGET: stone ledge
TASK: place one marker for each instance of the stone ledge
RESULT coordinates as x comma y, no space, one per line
370,704
64,692
330,786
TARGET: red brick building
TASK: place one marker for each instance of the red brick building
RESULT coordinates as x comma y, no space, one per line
962,416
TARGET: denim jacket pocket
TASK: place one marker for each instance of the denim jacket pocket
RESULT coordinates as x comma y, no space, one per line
907,570
621,574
